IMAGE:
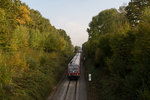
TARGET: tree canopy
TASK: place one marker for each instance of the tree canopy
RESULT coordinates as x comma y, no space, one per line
117,52
32,52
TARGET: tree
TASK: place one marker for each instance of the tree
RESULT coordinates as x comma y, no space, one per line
146,15
76,49
108,21
23,15
135,10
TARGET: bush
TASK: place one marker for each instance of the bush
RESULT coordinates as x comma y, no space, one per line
32,63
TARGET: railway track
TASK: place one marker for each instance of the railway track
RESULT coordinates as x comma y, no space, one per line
68,90
71,90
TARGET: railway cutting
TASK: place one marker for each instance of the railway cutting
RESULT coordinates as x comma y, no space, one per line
73,86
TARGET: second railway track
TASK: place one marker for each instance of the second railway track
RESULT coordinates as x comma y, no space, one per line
71,93
68,90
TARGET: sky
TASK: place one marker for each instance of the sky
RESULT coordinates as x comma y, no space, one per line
73,16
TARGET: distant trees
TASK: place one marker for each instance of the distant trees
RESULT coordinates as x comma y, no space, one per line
76,49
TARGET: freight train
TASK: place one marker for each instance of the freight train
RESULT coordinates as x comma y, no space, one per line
73,71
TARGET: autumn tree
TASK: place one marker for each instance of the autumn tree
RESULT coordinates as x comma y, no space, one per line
23,15
28,44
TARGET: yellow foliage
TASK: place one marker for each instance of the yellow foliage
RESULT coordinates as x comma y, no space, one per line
25,44
18,62
14,44
2,14
53,55
23,16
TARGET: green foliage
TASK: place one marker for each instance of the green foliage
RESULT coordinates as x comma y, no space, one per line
135,10
32,63
120,54
5,77
144,94
121,46
2,15
76,49
32,53
20,38
53,40
146,15
108,21
36,39
103,50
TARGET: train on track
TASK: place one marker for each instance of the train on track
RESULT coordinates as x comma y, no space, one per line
73,71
